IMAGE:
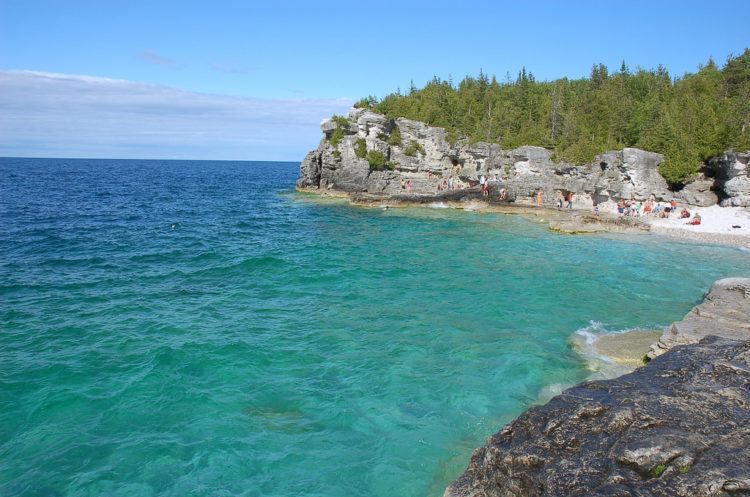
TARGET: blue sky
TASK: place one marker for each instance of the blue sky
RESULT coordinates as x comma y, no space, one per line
292,63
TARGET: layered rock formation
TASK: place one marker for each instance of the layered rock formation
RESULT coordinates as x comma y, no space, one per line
725,312
423,155
732,172
677,427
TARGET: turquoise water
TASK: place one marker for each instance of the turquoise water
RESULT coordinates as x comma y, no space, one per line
196,328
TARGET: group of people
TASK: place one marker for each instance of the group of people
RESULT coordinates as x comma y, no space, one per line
562,198
651,207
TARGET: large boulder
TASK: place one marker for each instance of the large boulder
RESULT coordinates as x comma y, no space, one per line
676,427
699,192
641,169
733,178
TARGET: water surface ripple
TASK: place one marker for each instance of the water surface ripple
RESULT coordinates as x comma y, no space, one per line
195,328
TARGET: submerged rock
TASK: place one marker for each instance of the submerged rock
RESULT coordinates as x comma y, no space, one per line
679,426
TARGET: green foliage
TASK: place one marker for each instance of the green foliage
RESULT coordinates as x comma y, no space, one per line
336,137
659,470
377,160
337,154
360,148
684,469
390,165
452,136
413,147
688,119
340,121
366,103
342,124
645,359
395,138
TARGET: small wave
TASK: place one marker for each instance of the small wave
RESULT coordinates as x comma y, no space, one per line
619,355
437,205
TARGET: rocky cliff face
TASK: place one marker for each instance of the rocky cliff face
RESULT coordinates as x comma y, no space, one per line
420,153
677,427
732,172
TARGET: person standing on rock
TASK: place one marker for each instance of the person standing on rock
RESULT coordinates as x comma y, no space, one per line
570,200
450,182
539,198
559,199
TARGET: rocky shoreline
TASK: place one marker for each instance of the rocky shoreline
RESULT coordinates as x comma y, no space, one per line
677,426
372,160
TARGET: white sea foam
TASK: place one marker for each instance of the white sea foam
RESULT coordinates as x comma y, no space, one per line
437,205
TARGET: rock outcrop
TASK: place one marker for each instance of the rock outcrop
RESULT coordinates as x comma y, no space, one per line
725,312
732,172
679,426
423,155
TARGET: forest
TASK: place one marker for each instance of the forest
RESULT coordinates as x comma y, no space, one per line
688,118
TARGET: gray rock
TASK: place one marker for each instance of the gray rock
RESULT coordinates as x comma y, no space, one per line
630,173
725,312
698,192
733,178
679,426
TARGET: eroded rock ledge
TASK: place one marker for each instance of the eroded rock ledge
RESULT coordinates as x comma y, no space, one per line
725,312
679,426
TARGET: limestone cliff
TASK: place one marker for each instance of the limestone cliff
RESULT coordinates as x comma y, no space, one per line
422,154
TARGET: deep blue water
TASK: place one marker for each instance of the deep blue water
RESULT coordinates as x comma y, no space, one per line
173,328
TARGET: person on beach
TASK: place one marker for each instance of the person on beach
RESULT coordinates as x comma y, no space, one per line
450,182
570,200
696,220
486,189
539,198
559,200
503,194
403,184
408,186
684,214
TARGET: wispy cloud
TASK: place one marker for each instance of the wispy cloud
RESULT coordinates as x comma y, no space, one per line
154,58
231,67
61,115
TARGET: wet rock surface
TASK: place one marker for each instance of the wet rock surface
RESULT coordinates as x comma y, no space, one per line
679,426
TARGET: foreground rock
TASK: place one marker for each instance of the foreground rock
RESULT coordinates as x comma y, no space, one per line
679,426
725,312
422,155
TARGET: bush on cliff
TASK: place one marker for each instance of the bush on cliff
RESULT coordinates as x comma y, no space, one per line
360,148
688,118
413,147
395,139
377,160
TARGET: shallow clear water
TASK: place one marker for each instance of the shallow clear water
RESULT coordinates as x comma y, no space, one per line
196,328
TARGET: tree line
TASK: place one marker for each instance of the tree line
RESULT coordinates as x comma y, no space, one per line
688,119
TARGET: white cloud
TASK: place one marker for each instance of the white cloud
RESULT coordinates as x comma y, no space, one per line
60,115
